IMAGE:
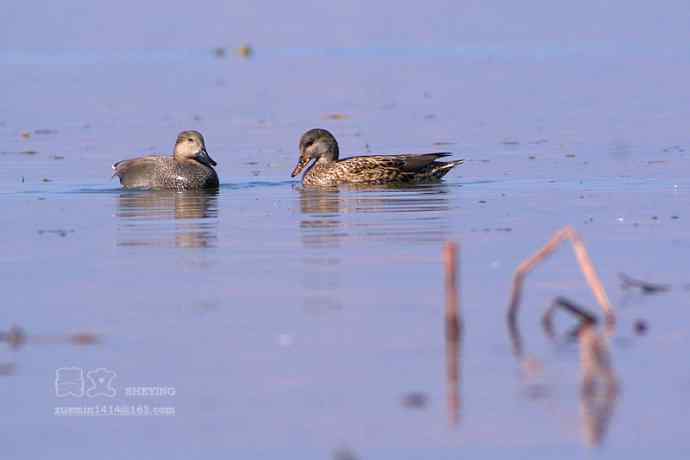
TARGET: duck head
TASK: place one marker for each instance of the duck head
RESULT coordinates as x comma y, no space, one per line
316,144
190,146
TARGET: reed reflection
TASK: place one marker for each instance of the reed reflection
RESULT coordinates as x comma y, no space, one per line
168,219
599,386
453,333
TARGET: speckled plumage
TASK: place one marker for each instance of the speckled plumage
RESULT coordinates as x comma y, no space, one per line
189,168
329,170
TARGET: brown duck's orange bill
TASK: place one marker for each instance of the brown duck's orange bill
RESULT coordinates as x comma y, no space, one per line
303,161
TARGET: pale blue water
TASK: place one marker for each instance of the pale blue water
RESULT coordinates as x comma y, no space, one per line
293,322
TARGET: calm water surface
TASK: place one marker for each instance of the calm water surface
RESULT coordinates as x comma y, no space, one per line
301,323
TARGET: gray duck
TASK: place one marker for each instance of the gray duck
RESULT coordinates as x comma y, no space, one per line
189,167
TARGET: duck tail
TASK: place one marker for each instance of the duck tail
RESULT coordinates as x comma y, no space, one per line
441,168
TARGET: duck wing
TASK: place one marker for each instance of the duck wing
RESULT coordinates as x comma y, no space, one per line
404,162
139,172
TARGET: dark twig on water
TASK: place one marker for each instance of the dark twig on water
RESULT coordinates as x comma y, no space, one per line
646,287
583,316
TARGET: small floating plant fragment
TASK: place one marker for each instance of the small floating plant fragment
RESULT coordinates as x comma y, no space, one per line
415,400
219,52
59,232
645,287
336,116
17,337
245,51
45,131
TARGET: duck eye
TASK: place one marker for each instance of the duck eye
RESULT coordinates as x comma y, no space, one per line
190,140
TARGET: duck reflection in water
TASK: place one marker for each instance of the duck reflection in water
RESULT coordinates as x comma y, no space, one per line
322,234
333,217
335,214
321,224
186,219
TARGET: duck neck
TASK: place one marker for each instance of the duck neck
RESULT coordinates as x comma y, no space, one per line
331,155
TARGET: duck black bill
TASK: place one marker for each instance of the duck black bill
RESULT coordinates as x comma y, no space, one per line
203,158
300,165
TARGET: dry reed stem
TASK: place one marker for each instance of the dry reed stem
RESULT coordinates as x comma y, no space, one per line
453,332
586,265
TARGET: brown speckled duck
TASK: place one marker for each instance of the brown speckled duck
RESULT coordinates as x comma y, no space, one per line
329,170
189,168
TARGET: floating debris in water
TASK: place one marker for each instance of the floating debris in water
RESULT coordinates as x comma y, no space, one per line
22,152
570,155
7,369
245,51
415,400
645,286
15,337
219,52
674,149
640,327
344,453
25,135
45,179
584,317
45,132
537,390
84,339
336,116
57,157
59,232
487,229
